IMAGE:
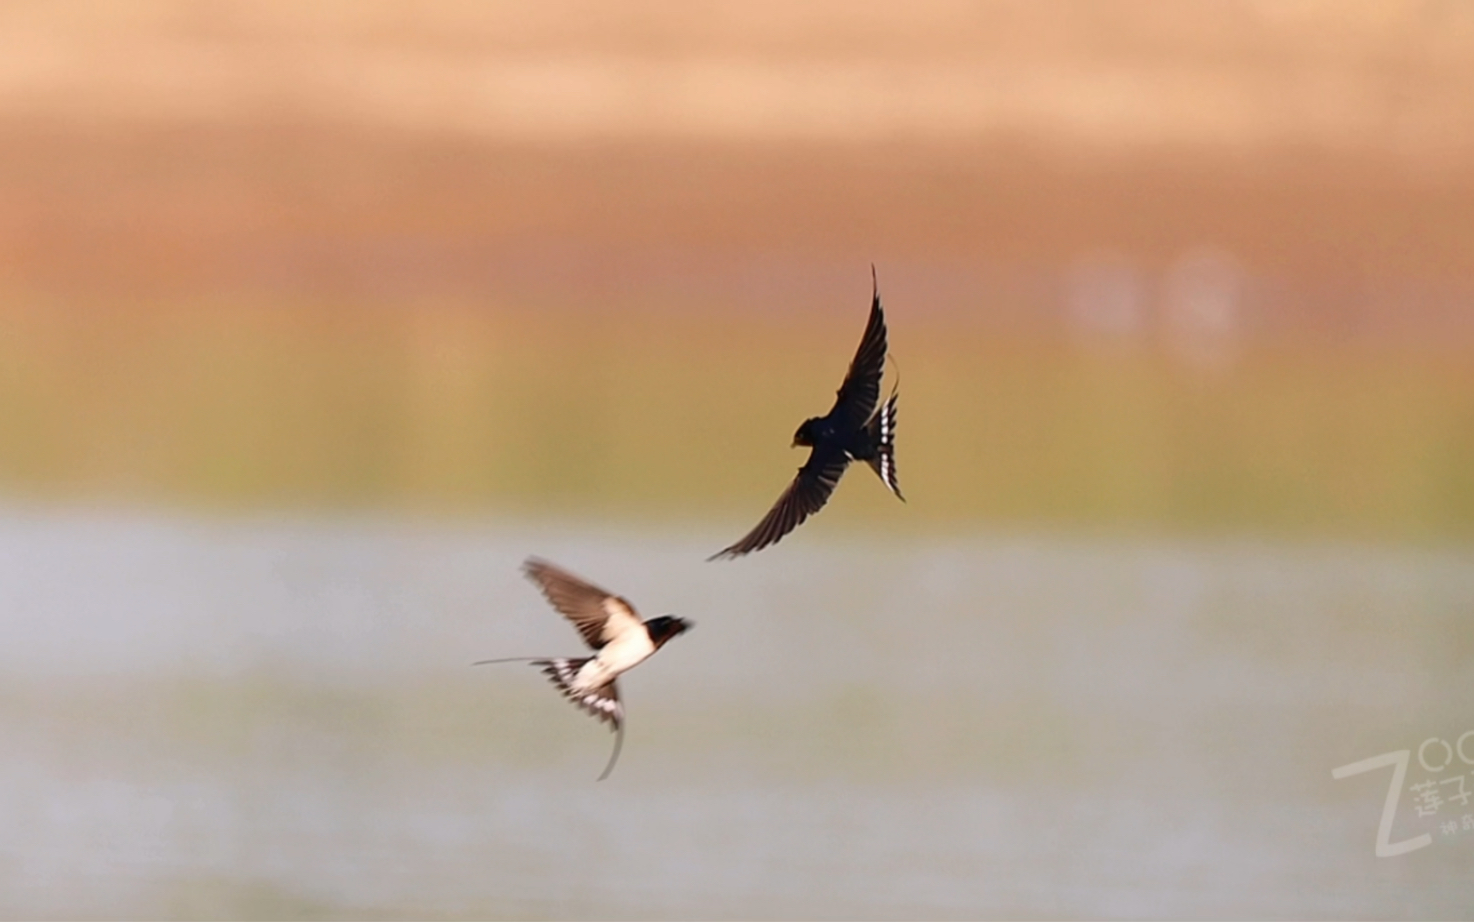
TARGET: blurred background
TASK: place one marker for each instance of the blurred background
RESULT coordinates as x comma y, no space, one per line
316,319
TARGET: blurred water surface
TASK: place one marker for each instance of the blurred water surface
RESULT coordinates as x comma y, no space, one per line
276,717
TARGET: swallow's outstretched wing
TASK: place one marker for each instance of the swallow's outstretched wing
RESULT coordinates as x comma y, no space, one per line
599,615
807,494
855,401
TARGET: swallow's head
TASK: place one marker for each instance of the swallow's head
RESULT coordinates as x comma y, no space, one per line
665,627
805,433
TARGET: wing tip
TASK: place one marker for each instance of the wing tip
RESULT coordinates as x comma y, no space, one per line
739,549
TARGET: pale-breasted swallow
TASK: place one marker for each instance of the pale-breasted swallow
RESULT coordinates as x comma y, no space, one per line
610,625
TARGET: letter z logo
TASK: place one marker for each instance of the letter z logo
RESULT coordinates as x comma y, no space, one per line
1398,761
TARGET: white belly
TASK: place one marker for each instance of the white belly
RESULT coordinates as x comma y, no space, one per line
618,655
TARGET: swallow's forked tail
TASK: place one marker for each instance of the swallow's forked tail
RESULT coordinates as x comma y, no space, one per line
882,427
602,702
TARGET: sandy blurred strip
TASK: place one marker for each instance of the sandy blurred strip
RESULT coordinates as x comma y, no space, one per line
1154,80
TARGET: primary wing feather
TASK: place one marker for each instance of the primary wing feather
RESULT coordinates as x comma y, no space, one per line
599,615
806,495
857,397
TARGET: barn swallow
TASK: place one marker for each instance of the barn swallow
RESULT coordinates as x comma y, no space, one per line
854,430
610,626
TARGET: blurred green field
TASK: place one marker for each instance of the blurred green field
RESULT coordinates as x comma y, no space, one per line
667,414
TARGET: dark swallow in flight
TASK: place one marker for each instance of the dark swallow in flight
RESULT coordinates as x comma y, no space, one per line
854,430
612,628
